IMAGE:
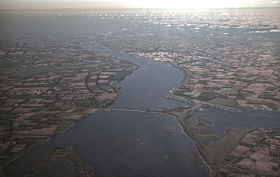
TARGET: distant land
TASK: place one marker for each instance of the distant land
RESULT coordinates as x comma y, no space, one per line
63,5
111,4
140,92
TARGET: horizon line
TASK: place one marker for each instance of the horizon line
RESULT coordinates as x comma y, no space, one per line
99,5
115,8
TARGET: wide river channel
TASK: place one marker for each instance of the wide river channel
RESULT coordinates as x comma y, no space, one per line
113,142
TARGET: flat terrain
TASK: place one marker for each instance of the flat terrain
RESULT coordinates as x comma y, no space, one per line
62,158
46,89
228,58
240,152
231,62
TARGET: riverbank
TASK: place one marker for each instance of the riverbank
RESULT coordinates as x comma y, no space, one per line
142,93
229,153
41,102
186,130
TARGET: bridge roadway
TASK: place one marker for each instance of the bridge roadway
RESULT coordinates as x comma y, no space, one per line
132,110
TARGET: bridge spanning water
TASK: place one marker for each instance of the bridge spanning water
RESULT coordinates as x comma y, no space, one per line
108,140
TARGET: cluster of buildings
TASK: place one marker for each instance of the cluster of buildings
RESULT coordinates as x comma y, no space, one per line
247,79
230,61
225,62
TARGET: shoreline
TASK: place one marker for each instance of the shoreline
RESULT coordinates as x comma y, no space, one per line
65,125
220,106
188,135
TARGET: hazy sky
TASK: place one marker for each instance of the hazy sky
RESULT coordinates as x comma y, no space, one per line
135,3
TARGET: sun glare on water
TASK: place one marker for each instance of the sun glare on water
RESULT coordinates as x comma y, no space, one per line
185,4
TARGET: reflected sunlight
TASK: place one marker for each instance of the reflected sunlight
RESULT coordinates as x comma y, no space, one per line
184,4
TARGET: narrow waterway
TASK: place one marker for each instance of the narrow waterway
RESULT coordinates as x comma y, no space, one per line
222,120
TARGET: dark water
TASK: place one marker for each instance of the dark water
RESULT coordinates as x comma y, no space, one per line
116,142
113,142
147,87
251,119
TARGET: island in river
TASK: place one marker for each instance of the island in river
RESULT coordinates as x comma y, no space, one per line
52,78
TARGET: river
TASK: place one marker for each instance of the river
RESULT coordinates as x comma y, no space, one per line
114,141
